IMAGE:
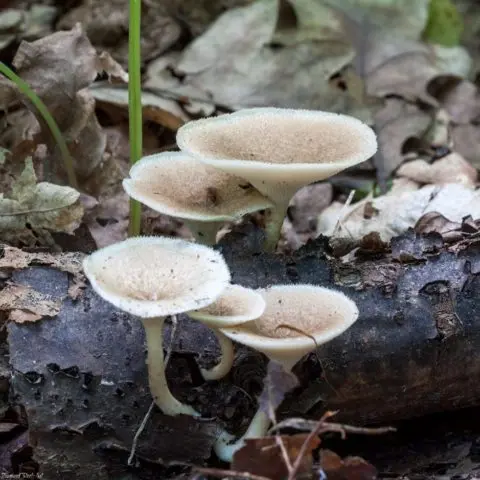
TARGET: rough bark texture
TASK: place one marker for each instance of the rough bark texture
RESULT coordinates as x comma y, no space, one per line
82,376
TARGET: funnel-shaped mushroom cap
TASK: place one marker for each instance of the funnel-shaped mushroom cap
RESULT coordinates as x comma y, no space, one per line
234,306
318,312
176,184
279,150
157,276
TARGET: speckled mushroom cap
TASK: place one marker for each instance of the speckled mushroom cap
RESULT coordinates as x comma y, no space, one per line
279,150
234,306
177,184
157,276
320,313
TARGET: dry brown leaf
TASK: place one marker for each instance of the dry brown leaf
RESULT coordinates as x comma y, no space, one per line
452,168
461,99
466,139
263,456
243,69
59,68
350,468
163,111
405,68
106,24
16,259
33,210
397,122
397,212
24,304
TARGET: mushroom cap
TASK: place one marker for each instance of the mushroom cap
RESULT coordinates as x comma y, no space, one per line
279,150
234,306
157,276
319,312
179,185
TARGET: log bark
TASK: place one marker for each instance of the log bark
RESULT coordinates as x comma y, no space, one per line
82,379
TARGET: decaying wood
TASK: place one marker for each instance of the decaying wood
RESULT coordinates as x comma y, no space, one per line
82,377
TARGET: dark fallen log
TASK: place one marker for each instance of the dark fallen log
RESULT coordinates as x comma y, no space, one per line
82,379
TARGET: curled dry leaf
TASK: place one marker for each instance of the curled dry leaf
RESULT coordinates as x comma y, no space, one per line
397,122
278,382
33,210
12,258
397,212
59,68
452,168
163,111
23,304
245,69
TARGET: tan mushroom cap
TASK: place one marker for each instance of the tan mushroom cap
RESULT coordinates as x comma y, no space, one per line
157,276
177,184
234,306
319,312
279,150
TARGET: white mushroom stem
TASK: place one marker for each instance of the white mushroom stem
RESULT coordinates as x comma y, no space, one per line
225,450
204,232
226,360
273,226
258,428
156,370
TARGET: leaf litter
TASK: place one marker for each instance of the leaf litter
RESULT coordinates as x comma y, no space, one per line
397,66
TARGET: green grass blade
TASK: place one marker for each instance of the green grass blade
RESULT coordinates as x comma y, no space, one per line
47,117
135,103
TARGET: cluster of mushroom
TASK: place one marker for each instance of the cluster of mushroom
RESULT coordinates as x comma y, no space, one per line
155,277
254,159
239,163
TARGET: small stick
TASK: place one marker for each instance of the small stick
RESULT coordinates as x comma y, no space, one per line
322,426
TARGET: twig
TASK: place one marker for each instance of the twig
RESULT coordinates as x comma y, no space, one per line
309,425
322,426
339,225
278,438
152,405
306,443
216,472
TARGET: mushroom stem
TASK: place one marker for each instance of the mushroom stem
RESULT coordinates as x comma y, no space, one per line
225,450
273,227
258,428
204,232
156,370
226,359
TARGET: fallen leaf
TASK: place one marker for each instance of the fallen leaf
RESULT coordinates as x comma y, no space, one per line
59,68
106,24
396,123
246,68
12,258
397,212
350,468
32,210
452,168
23,304
163,111
278,382
466,139
307,204
263,456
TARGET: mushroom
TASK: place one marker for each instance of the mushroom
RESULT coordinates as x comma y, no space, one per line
176,184
315,314
152,278
235,305
278,150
